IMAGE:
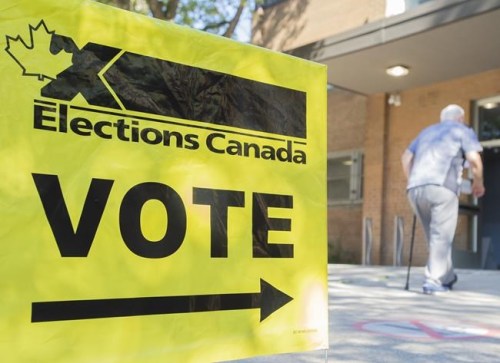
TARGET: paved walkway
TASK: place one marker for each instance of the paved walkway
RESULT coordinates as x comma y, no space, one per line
373,319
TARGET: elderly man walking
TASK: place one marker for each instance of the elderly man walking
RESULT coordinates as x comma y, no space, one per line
433,164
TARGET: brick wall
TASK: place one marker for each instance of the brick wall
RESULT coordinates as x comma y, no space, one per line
294,23
346,120
344,234
383,132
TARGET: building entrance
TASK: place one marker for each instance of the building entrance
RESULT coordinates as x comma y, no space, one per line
477,242
487,114
487,124
490,209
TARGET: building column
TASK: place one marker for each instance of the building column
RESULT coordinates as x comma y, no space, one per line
375,143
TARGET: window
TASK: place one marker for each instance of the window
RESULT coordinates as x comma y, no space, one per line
345,177
488,118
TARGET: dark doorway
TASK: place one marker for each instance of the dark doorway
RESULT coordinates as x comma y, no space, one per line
487,122
490,209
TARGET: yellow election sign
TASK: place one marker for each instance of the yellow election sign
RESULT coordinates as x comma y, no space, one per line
163,191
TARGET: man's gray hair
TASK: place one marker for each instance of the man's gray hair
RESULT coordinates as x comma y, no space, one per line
452,113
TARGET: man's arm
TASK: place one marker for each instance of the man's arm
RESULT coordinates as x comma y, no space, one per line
476,165
407,162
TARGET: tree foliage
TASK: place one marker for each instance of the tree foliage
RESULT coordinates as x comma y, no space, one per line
219,17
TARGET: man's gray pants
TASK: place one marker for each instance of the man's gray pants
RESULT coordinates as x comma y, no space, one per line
437,209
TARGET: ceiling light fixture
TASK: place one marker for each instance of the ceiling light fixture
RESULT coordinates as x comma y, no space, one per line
490,105
397,71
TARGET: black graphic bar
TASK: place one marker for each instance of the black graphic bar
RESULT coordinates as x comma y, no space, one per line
268,300
176,90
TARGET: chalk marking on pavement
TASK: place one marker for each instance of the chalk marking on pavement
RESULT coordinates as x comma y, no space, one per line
416,329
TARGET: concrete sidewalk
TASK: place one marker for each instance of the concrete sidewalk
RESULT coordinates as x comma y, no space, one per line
373,319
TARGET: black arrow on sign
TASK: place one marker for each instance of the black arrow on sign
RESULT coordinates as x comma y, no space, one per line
269,299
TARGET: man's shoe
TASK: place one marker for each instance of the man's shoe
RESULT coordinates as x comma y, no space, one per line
450,284
431,289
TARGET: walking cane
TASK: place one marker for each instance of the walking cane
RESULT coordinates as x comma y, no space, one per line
407,286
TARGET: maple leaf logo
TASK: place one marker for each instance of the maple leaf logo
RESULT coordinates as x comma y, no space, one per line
35,57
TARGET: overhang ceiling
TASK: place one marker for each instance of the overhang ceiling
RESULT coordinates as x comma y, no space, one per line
438,41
